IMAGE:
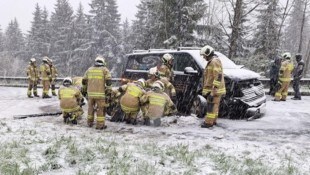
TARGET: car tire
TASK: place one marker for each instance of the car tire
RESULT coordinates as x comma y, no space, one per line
199,106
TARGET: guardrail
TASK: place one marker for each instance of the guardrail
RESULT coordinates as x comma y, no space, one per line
23,81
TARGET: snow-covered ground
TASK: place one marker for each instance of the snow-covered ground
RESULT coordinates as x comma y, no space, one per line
278,143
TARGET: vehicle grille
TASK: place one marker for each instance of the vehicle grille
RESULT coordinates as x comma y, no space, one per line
253,93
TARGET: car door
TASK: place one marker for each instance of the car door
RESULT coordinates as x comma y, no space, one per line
186,84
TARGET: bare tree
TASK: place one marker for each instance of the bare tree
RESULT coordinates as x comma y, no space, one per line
306,3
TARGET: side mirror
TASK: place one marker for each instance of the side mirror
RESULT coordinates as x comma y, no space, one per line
190,70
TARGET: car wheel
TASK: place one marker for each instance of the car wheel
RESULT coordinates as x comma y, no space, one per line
199,106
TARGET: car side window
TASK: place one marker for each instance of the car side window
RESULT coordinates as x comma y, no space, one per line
183,60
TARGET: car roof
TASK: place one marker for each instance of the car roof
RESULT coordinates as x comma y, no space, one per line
195,53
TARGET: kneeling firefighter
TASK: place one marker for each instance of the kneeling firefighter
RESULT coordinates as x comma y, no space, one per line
157,104
71,101
131,100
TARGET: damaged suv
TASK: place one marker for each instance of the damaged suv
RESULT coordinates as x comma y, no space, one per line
245,96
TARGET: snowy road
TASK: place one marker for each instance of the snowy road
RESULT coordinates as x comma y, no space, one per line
278,143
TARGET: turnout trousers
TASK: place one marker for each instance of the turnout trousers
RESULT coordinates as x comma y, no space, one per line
213,104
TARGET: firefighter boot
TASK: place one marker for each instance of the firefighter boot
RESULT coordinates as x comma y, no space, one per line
101,125
36,94
208,123
30,96
54,93
90,123
147,121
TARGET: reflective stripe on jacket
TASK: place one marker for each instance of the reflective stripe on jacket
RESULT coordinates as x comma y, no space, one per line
96,78
130,101
32,72
157,104
214,77
45,71
286,71
69,98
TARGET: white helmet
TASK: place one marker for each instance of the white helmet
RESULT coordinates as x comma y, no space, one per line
45,59
158,84
167,57
32,60
154,71
206,50
100,61
286,55
67,81
142,82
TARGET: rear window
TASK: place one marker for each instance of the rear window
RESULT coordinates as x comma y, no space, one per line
143,62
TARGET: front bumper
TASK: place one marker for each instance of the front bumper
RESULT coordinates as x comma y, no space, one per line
256,111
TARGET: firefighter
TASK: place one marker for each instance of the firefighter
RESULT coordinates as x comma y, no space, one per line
45,73
284,77
297,75
33,78
97,86
157,103
166,70
130,101
154,75
54,74
213,85
71,101
274,73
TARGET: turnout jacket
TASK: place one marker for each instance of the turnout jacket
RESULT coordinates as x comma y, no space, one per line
130,101
32,72
169,88
45,71
213,81
94,81
70,98
158,103
286,71
166,71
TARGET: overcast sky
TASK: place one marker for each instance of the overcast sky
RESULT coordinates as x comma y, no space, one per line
22,10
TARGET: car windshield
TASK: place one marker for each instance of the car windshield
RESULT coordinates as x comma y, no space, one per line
227,63
143,62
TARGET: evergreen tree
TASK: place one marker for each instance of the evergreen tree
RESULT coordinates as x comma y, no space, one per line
105,35
61,26
81,45
1,41
45,33
126,40
35,36
14,40
266,40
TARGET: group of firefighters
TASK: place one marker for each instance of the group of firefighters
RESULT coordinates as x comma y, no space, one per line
281,72
152,97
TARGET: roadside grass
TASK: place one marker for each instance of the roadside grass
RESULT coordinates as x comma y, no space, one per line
107,153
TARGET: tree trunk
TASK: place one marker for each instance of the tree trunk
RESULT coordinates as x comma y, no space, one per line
307,59
302,27
235,29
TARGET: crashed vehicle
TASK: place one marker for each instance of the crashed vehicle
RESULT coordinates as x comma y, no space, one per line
245,96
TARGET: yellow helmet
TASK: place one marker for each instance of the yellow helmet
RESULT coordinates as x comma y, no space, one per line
142,82
207,50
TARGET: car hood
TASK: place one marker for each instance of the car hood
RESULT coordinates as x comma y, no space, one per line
240,74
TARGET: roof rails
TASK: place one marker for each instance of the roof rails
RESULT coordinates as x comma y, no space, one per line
188,48
150,50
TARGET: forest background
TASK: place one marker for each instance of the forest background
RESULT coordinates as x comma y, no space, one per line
250,32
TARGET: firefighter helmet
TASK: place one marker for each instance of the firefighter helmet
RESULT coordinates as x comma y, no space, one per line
167,57
67,81
32,60
100,61
158,84
298,57
154,71
286,55
141,81
45,59
207,51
